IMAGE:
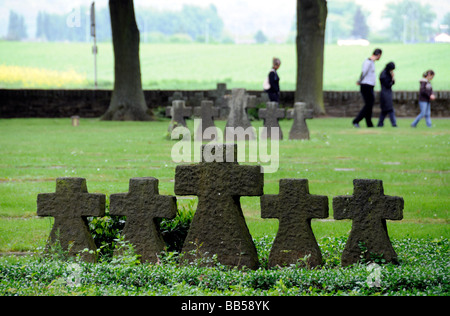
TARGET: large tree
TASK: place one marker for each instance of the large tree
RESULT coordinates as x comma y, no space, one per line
127,101
311,20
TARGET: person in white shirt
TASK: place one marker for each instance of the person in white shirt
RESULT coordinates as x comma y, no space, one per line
367,84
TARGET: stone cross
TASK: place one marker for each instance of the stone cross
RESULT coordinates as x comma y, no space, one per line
238,118
141,205
70,205
219,227
294,207
208,114
196,100
177,96
220,99
299,128
178,112
271,114
368,208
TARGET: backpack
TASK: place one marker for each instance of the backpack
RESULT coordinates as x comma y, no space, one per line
266,83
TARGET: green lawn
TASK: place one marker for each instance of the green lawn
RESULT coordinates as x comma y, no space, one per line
413,163
199,66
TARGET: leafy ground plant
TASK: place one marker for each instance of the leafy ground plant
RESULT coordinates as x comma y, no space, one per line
423,270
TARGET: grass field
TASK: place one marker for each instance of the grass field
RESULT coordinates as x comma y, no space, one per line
197,66
413,163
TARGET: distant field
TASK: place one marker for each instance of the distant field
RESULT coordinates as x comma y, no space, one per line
198,66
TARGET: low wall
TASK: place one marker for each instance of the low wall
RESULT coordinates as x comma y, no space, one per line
93,103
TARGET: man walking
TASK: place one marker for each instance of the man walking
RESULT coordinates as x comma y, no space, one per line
367,84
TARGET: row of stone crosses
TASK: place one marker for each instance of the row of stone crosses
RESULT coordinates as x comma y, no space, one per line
219,227
238,103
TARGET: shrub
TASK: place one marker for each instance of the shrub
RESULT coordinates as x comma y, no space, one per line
106,230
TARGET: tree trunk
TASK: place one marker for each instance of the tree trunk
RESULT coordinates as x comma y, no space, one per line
127,101
311,21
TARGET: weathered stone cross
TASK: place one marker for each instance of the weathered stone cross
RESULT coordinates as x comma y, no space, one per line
271,114
294,207
219,226
70,205
368,208
220,99
178,112
299,128
238,117
141,205
208,114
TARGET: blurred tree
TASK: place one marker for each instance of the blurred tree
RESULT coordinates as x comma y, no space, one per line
446,21
127,101
410,21
311,21
339,19
360,28
195,22
16,27
260,37
54,27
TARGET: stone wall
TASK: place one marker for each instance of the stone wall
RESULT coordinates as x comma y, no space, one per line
93,103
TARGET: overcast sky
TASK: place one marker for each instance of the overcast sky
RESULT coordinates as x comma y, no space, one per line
272,16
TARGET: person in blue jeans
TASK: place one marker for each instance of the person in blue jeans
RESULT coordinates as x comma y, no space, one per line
425,97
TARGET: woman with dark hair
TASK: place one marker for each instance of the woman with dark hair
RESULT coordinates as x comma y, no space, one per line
425,97
386,104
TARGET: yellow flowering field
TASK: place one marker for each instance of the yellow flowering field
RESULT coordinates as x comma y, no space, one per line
31,77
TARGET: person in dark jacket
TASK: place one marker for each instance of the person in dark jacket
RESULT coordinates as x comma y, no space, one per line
274,81
425,97
386,104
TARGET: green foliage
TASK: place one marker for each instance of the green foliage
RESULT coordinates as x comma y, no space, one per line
107,230
423,270
175,231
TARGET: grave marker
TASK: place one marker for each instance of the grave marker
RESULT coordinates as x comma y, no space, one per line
299,128
369,208
177,96
178,112
70,205
219,226
238,118
208,114
294,207
141,205
271,114
220,98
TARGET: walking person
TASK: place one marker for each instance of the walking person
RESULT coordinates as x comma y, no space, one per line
387,107
272,83
425,97
367,84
